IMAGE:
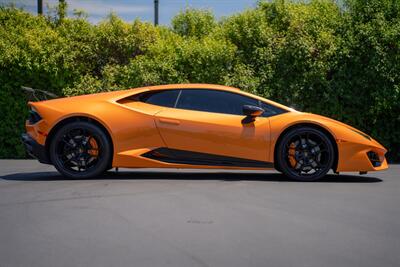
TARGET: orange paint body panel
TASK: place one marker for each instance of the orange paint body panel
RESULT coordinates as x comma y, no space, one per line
214,133
136,128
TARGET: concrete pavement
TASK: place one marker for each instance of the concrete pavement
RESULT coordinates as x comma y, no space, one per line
196,218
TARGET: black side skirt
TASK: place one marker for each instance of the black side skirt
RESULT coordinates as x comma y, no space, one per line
177,156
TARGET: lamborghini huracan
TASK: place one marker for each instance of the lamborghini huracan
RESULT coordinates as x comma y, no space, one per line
199,126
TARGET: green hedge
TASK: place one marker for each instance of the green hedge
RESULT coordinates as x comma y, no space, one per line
339,61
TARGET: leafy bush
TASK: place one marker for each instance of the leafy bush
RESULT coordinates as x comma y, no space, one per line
193,23
339,61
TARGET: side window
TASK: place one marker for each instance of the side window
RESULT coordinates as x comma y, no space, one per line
165,98
214,101
270,110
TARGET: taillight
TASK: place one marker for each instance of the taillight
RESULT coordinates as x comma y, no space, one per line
34,117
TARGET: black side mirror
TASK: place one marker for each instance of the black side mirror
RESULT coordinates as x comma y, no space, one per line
251,113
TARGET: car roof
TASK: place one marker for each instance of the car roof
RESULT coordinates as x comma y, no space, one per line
191,86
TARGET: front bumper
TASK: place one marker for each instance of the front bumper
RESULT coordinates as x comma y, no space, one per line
356,157
35,149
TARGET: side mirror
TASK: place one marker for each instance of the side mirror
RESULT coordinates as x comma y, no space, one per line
251,113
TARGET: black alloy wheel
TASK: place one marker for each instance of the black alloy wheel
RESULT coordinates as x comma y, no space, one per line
305,154
80,150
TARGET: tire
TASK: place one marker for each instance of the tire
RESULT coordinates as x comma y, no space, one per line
80,150
278,168
305,154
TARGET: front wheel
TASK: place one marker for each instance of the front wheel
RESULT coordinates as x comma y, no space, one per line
305,154
80,150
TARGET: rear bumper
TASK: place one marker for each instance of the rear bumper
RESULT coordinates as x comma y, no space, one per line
35,149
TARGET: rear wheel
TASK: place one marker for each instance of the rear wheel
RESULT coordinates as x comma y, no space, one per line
80,150
305,154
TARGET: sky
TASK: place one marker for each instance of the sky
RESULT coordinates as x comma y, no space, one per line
129,10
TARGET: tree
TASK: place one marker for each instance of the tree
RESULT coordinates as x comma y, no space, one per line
193,23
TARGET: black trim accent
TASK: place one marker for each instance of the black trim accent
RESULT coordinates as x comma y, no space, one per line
177,156
248,119
177,98
34,117
374,159
35,149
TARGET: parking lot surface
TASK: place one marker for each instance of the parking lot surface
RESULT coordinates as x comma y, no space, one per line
196,218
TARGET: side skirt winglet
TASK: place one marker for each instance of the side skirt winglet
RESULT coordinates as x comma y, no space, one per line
177,156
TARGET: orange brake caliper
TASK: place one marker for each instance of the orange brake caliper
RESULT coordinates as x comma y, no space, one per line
94,151
292,158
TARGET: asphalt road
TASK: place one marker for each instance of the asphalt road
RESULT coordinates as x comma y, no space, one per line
190,218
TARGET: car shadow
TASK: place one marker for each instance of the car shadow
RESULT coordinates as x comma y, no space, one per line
159,175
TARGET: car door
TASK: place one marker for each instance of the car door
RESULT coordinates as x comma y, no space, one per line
208,124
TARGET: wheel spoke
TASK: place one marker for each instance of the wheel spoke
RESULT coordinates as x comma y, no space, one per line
68,159
78,150
303,153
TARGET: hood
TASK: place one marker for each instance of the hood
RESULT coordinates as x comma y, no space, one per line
342,131
326,119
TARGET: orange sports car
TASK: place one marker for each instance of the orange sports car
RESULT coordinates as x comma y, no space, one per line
193,126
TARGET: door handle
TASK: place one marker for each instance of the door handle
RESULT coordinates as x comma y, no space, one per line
169,121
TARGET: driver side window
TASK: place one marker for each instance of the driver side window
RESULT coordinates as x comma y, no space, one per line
270,110
214,101
207,100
